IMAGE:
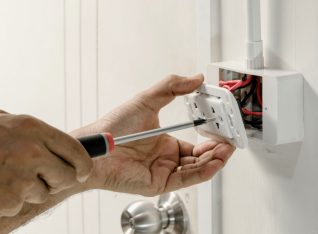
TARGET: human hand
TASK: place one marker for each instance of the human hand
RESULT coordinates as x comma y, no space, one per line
36,160
159,164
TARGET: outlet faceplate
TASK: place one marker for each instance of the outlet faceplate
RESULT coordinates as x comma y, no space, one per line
219,104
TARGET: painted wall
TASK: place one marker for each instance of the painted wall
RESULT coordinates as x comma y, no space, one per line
275,190
70,61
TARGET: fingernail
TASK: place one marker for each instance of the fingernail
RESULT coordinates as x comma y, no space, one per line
197,77
83,179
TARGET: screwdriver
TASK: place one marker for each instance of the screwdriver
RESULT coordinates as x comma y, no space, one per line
103,143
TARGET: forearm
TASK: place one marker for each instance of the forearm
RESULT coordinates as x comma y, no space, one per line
30,211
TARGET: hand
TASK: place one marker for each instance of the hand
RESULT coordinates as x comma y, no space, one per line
36,160
159,164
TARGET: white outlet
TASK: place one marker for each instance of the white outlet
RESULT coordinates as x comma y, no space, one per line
219,104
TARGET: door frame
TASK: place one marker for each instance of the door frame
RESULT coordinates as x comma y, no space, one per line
209,199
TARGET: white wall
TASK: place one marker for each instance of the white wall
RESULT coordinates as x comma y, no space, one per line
275,190
70,61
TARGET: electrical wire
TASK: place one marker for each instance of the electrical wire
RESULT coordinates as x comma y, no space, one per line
253,113
259,92
256,88
242,83
249,94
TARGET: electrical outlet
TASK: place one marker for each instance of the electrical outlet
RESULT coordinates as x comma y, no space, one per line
220,107
274,111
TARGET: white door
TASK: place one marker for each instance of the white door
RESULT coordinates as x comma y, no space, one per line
70,61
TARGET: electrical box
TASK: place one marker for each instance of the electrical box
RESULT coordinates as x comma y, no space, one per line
274,112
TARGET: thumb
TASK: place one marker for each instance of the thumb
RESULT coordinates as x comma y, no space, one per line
166,90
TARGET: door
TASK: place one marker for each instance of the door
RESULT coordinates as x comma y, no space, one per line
69,62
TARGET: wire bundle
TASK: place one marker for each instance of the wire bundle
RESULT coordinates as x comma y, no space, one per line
247,91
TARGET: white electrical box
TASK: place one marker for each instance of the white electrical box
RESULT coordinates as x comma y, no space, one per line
282,101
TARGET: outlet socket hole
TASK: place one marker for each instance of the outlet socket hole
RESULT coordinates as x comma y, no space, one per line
218,125
213,111
195,105
221,119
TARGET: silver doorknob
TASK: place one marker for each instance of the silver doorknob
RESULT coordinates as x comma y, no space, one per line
169,216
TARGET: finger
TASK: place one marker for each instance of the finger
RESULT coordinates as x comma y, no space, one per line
56,174
184,178
199,161
202,153
185,148
10,203
202,159
165,91
71,151
203,147
188,160
38,193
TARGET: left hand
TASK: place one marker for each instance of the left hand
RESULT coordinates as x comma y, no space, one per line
159,164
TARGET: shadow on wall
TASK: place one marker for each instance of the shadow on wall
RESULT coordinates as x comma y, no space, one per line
277,160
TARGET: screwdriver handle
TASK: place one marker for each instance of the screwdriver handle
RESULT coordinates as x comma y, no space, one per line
98,144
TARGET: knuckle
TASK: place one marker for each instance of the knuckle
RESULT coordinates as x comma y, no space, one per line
27,121
34,150
173,81
172,78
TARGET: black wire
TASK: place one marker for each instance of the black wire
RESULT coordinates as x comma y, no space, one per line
259,127
255,123
249,94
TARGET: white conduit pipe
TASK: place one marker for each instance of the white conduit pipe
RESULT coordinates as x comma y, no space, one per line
254,43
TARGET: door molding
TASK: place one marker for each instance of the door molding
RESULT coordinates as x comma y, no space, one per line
208,39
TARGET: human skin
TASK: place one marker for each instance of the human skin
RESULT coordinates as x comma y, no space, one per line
147,167
36,160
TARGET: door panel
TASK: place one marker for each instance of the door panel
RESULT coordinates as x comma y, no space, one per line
96,55
32,62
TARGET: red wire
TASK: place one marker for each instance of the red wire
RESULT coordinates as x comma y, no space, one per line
259,95
248,112
242,83
229,82
226,87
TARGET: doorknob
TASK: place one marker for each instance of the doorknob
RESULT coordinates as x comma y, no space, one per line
168,217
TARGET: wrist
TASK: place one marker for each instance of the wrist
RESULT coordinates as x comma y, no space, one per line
29,211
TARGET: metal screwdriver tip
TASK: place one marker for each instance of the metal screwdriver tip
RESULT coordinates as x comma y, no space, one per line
203,121
210,120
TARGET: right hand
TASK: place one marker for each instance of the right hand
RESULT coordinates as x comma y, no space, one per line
36,160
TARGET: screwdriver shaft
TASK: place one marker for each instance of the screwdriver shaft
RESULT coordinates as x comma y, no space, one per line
158,131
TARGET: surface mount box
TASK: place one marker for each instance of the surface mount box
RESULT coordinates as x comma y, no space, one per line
282,100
